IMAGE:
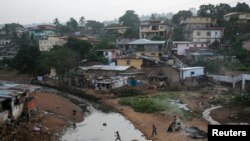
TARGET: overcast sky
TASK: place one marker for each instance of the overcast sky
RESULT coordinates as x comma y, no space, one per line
39,11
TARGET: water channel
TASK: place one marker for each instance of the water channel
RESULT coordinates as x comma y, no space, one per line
100,124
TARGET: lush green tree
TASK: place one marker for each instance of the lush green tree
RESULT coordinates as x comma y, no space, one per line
94,57
207,11
231,30
131,20
157,38
177,34
221,10
82,21
62,59
80,46
56,22
11,28
94,27
104,44
28,60
181,15
72,24
242,7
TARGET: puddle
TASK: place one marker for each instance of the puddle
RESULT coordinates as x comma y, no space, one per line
180,105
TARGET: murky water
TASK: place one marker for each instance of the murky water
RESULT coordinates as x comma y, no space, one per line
93,128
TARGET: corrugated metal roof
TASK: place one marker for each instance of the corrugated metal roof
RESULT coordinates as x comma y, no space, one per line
145,42
191,68
106,67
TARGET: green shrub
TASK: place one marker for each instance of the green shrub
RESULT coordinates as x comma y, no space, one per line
242,99
127,91
146,105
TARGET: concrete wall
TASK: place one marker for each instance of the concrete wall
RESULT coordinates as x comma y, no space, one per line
172,75
135,62
17,110
232,79
188,73
4,116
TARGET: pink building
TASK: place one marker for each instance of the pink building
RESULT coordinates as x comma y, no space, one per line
181,47
246,45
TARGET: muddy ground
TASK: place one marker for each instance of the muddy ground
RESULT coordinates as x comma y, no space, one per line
55,114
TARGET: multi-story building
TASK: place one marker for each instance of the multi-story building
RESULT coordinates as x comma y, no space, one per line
149,29
110,54
243,17
131,60
192,23
42,31
182,47
147,47
50,42
208,35
118,30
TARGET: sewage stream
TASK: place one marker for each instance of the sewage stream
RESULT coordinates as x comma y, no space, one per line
100,124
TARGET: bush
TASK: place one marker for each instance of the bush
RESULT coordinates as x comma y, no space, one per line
242,100
146,105
127,91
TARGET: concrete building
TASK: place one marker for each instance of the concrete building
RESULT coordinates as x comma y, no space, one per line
191,23
243,17
42,31
246,45
110,54
129,61
14,99
191,72
118,30
50,42
105,71
208,35
147,47
182,47
149,29
4,42
122,43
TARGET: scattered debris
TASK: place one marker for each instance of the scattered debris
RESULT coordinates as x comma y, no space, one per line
181,106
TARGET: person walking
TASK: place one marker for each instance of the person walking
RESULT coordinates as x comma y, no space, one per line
154,131
117,136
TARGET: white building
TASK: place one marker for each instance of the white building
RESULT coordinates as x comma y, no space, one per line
208,35
53,40
149,29
191,72
181,47
4,42
110,54
193,11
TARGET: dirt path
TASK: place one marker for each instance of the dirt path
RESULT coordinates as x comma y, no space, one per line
144,123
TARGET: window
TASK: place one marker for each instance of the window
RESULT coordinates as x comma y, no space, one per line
128,62
215,33
198,33
208,33
106,53
192,72
153,54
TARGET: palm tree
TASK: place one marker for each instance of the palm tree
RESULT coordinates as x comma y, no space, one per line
56,21
82,21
